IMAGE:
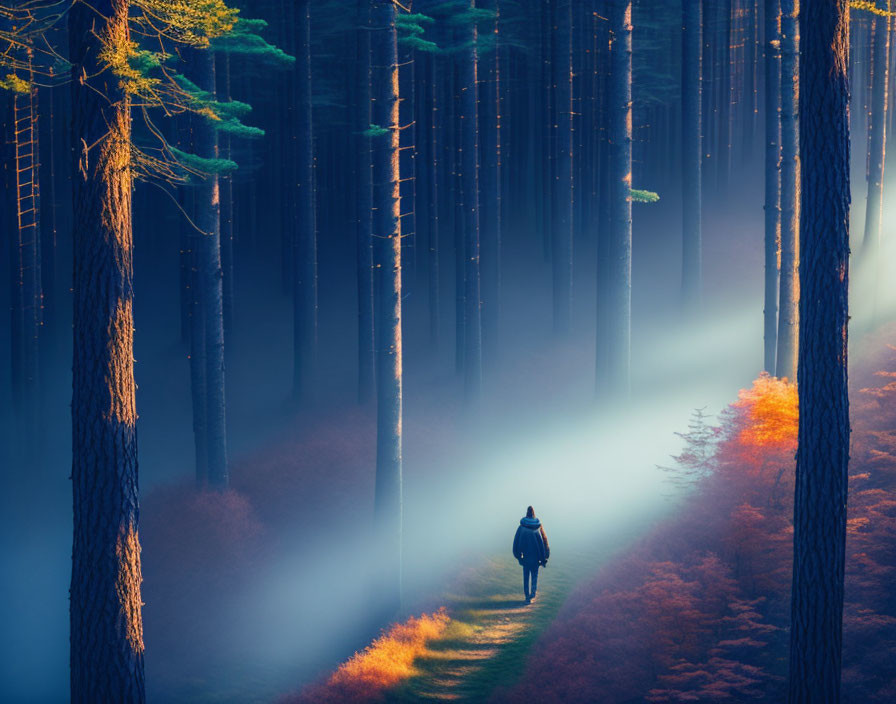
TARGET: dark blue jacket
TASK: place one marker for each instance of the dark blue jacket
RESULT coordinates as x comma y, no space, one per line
530,544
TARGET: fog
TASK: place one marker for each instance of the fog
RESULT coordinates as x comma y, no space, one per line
539,437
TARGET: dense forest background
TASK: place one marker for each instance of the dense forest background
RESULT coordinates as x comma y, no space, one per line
400,270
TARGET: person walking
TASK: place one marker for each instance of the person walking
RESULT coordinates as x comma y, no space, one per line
531,549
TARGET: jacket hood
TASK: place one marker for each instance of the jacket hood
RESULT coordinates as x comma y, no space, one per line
530,523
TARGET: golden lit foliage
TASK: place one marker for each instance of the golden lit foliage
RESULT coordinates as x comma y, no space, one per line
26,57
191,22
166,24
869,7
390,658
13,83
770,409
385,663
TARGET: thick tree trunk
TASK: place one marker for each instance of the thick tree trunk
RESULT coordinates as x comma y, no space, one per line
387,259
106,622
210,275
692,148
877,140
617,373
469,106
788,315
823,450
772,177
562,206
366,348
305,276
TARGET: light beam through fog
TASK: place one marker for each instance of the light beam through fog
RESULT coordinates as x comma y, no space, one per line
493,202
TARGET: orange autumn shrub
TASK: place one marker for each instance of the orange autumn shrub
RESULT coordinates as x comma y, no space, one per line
770,414
386,662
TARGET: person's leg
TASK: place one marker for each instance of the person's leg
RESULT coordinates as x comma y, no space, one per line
534,577
526,581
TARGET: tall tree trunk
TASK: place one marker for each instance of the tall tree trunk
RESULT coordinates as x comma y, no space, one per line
561,79
691,163
725,95
546,138
198,383
106,622
460,219
469,106
877,140
772,177
208,259
305,277
366,348
617,373
490,216
435,184
751,41
227,212
387,258
822,459
788,315
49,223
710,90
408,163
26,254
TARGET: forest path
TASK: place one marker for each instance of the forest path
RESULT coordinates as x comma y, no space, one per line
487,641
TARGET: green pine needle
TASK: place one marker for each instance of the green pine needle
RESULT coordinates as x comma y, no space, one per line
639,196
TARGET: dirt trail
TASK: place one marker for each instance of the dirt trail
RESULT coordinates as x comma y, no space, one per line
491,631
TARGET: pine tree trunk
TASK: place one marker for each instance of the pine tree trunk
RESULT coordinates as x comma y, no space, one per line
186,232
366,347
198,384
49,309
408,163
469,105
435,185
305,276
725,96
877,140
227,214
772,178
710,91
457,201
546,138
617,373
788,315
106,622
387,259
25,239
490,216
816,633
562,206
691,130
208,260
751,40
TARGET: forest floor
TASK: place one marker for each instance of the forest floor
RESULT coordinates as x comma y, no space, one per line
490,634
